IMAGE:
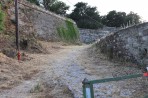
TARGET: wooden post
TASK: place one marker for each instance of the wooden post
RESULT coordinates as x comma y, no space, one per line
17,29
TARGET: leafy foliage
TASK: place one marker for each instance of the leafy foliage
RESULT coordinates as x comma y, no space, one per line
86,16
2,19
70,33
118,19
133,18
34,1
55,6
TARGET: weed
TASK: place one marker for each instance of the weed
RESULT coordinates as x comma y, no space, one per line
38,88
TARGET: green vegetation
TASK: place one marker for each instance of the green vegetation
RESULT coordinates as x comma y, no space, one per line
86,16
56,6
38,88
120,19
34,1
2,19
70,33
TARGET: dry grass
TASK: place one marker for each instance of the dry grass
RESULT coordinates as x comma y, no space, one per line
13,72
118,69
43,90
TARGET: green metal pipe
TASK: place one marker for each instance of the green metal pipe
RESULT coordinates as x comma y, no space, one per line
116,79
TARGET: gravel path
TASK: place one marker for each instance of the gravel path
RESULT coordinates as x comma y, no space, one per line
68,68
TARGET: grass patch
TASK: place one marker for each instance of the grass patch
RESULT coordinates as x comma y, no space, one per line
69,33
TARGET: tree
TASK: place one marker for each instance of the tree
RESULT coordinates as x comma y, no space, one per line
114,19
34,1
86,16
104,20
118,19
79,11
48,3
111,18
55,6
133,18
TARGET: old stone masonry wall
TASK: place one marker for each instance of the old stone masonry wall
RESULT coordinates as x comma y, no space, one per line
129,44
40,22
88,36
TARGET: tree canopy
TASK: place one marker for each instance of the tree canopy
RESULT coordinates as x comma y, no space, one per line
58,7
133,18
86,16
118,19
34,1
55,6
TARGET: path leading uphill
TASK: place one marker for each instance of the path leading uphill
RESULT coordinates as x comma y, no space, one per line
62,73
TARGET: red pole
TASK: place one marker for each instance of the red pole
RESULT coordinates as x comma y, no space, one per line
146,73
17,30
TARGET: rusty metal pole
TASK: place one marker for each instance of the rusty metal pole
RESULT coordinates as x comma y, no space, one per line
17,29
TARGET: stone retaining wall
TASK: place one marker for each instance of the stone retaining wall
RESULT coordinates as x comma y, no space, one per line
89,36
129,44
40,22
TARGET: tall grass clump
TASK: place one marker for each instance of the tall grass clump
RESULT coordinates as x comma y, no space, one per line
2,19
69,33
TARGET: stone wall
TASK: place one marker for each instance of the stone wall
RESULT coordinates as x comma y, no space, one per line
41,23
129,44
89,36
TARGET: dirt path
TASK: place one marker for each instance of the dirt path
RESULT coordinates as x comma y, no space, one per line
62,73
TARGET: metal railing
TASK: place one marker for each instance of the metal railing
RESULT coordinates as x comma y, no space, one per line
88,91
